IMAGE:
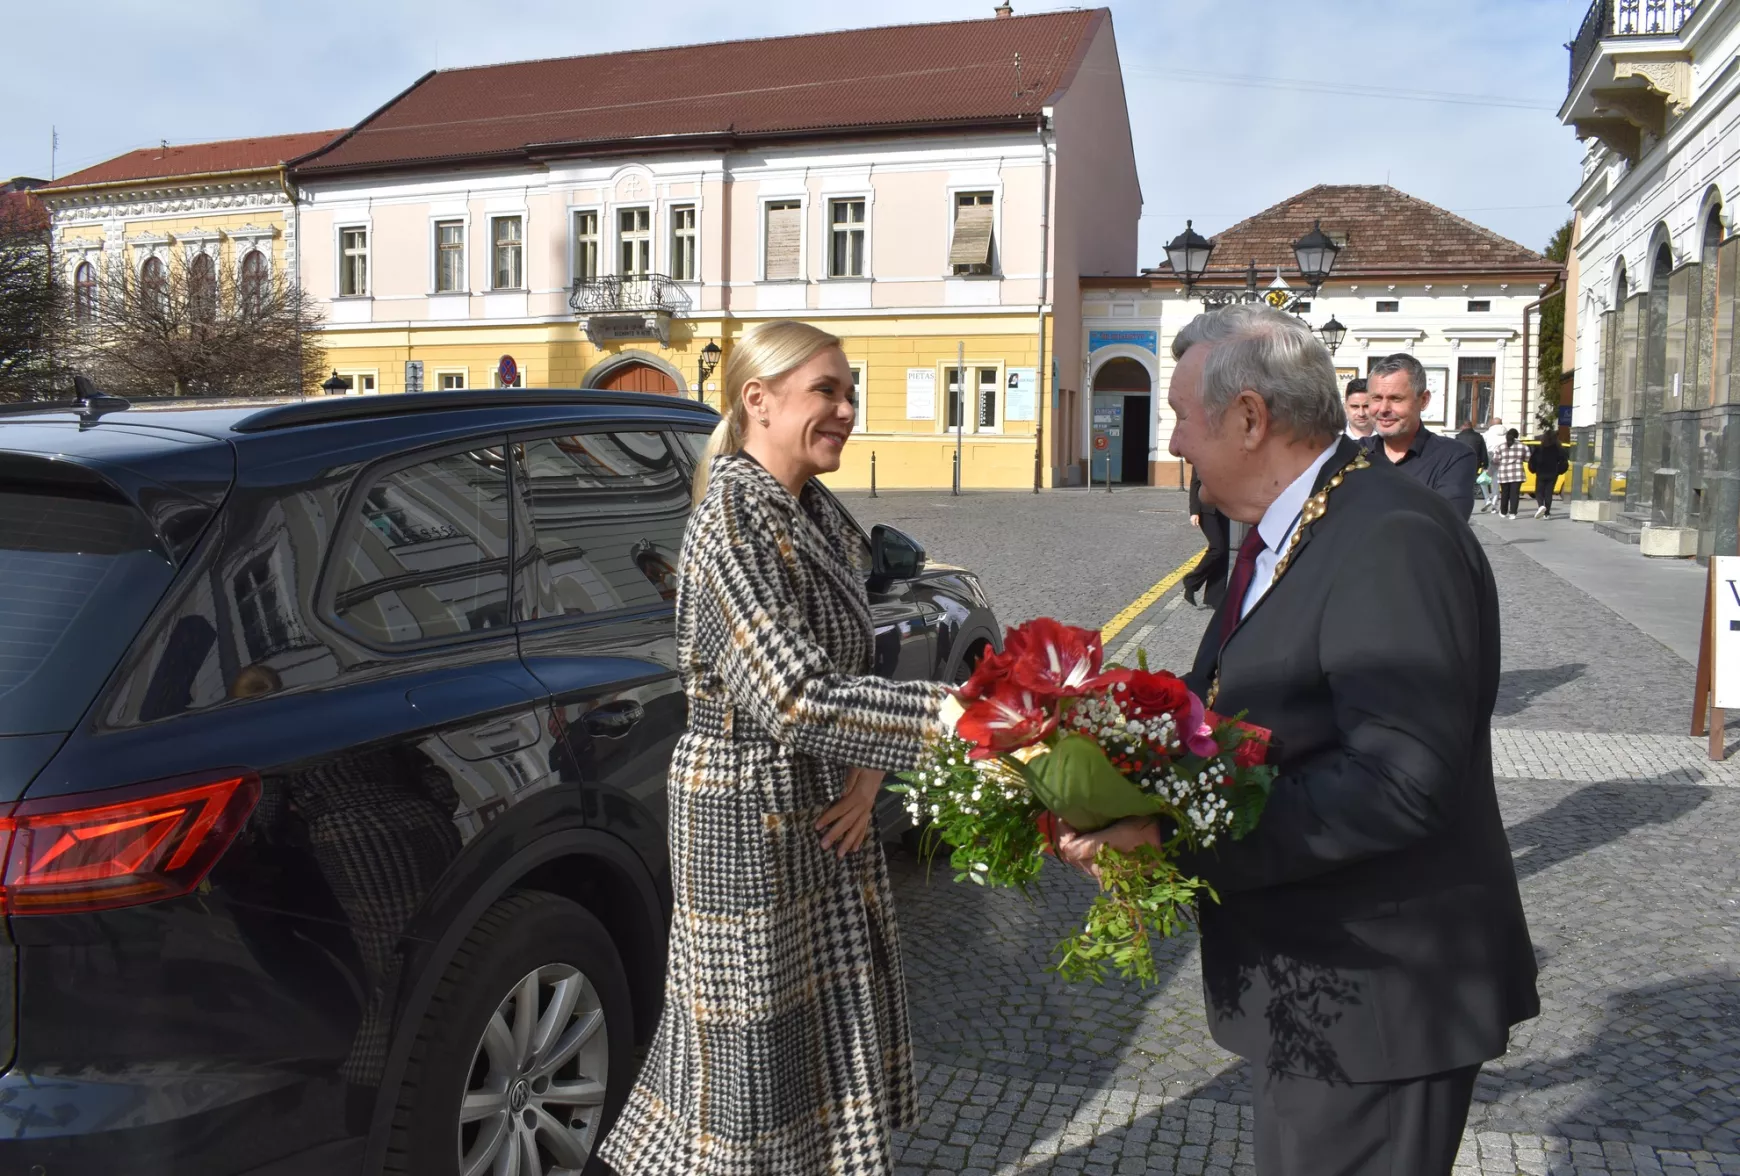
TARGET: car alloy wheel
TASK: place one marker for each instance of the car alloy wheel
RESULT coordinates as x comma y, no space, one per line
535,1096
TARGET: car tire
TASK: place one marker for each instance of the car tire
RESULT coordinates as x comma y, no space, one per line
969,662
529,951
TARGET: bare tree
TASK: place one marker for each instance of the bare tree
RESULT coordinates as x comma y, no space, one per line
29,299
182,325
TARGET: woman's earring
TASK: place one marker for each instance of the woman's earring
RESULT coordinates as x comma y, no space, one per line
764,422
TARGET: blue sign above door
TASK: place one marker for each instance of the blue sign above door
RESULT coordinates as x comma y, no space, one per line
1150,340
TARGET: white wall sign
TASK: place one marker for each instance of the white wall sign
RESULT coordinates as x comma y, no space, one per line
921,394
1021,398
1725,625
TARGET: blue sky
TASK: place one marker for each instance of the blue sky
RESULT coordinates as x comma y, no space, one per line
1234,104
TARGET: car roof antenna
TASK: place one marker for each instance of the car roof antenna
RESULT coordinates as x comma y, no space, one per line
93,404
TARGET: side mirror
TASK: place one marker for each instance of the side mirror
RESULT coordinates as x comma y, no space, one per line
894,555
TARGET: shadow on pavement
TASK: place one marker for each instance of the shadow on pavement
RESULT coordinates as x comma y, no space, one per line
1518,688
1595,815
1661,1066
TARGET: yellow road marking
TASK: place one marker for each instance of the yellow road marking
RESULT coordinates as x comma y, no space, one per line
1140,605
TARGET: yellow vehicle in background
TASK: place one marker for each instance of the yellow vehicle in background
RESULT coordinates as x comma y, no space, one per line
1564,482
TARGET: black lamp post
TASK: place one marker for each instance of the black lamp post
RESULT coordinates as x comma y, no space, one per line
1315,253
337,386
1189,253
707,364
1332,333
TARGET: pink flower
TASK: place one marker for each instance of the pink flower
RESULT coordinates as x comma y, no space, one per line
1196,733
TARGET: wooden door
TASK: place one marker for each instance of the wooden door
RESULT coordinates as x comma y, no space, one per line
638,377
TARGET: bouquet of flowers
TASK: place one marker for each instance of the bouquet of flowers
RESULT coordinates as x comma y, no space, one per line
1047,733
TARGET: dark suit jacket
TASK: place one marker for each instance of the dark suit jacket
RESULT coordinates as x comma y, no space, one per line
1370,928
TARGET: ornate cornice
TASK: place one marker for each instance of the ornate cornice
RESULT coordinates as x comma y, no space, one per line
161,199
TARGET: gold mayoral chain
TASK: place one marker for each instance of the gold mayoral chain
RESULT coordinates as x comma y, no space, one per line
1315,508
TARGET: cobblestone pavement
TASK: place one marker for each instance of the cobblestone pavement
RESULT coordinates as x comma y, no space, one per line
1624,837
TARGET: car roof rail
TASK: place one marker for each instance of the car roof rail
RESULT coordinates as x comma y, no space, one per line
321,409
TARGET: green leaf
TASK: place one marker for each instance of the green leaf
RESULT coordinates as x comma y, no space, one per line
1076,781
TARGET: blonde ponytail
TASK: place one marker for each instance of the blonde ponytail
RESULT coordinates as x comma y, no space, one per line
766,352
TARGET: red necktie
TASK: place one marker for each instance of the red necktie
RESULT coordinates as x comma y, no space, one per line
1243,570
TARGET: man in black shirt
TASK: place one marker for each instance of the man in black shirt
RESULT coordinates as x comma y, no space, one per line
1396,386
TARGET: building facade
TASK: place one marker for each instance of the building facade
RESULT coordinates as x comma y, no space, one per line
222,212
1657,451
528,223
1409,277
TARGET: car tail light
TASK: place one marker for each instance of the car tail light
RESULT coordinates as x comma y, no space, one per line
114,849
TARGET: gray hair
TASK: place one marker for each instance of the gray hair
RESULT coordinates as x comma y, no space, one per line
1401,361
1275,355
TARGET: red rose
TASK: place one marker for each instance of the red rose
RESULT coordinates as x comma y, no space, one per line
1009,719
1151,695
1255,747
1053,660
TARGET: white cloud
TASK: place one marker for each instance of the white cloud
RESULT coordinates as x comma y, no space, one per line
131,74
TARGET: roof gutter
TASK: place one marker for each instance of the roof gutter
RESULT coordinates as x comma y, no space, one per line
188,178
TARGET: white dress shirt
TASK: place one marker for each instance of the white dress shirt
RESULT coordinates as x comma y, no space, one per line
1277,526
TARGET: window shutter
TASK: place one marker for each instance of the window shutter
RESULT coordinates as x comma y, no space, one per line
784,241
972,245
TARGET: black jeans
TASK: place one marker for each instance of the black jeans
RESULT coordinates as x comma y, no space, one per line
1544,493
1508,493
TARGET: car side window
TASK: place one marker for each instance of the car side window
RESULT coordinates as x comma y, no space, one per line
694,445
428,556
606,513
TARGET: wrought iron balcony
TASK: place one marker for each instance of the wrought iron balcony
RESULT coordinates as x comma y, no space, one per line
1625,18
637,306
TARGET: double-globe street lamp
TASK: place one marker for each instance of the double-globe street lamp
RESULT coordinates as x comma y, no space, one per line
1315,253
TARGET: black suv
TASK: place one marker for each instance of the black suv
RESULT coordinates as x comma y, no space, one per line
333,741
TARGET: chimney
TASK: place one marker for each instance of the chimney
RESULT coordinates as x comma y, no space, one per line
1004,9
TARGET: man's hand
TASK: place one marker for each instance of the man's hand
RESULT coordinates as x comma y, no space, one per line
1125,836
1196,520
844,825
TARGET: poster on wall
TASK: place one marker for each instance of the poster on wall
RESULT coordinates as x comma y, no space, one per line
1343,375
1021,397
1438,384
921,394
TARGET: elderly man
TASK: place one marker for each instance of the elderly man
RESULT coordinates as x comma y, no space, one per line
1368,951
1397,388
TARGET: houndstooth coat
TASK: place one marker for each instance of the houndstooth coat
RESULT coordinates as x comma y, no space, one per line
784,1048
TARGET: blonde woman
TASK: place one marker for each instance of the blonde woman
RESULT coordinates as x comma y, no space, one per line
783,1047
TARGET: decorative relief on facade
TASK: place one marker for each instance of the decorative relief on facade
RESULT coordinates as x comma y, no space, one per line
78,208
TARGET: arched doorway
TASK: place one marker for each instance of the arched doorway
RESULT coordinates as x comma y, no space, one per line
1123,411
635,376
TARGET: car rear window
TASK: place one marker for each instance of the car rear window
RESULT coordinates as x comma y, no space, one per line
80,569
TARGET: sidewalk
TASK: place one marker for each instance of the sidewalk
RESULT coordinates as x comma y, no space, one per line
1662,597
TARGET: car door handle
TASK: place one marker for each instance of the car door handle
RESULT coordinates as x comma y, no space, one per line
613,720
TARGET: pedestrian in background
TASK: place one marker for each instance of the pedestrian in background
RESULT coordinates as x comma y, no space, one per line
1396,385
1470,436
1357,403
1209,574
1548,463
1507,471
783,1048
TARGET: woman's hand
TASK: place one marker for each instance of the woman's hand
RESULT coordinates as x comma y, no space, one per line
844,825
1125,836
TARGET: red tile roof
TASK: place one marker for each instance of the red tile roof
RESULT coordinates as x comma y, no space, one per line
959,73
1387,232
196,159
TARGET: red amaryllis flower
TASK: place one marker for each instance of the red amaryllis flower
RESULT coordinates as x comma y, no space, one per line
991,672
1151,695
1053,660
1008,719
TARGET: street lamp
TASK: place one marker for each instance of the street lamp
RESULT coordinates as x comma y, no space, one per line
1333,333
336,386
1315,253
1189,253
707,364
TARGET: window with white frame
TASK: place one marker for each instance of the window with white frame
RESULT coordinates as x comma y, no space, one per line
988,382
846,238
361,383
507,253
634,242
451,381
449,256
353,261
859,422
972,250
586,245
683,240
784,241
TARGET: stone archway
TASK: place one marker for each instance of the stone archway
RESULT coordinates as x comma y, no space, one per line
635,371
1123,394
